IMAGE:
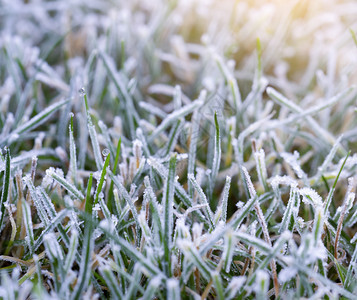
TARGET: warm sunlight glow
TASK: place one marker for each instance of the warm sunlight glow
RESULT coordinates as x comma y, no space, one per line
293,34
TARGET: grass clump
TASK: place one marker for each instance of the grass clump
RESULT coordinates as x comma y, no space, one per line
150,151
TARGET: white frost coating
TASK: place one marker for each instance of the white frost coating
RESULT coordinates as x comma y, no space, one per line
253,227
229,242
26,178
173,288
114,220
58,176
97,233
97,207
289,260
181,156
286,274
61,153
74,222
350,162
192,209
190,176
235,285
310,196
285,180
200,173
96,175
187,109
202,197
152,161
137,148
320,251
101,194
94,142
13,137
106,225
260,155
53,248
249,183
354,239
261,283
182,230
172,283
223,207
218,214
293,161
350,199
243,228
50,171
283,250
143,224
132,190
240,204
286,235
123,171
8,123
338,210
350,195
260,160
68,200
156,281
185,245
197,230
208,83
310,253
329,157
59,172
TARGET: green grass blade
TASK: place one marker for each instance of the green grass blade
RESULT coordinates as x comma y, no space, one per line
5,186
65,184
217,155
34,122
168,201
87,248
332,190
28,225
102,178
203,198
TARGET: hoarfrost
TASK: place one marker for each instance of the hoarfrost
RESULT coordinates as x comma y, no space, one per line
293,161
249,182
310,196
286,274
240,204
285,180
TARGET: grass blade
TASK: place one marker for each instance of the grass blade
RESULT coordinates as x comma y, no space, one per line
34,122
102,178
87,248
69,187
5,186
168,201
216,156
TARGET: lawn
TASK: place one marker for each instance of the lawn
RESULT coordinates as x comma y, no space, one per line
178,149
